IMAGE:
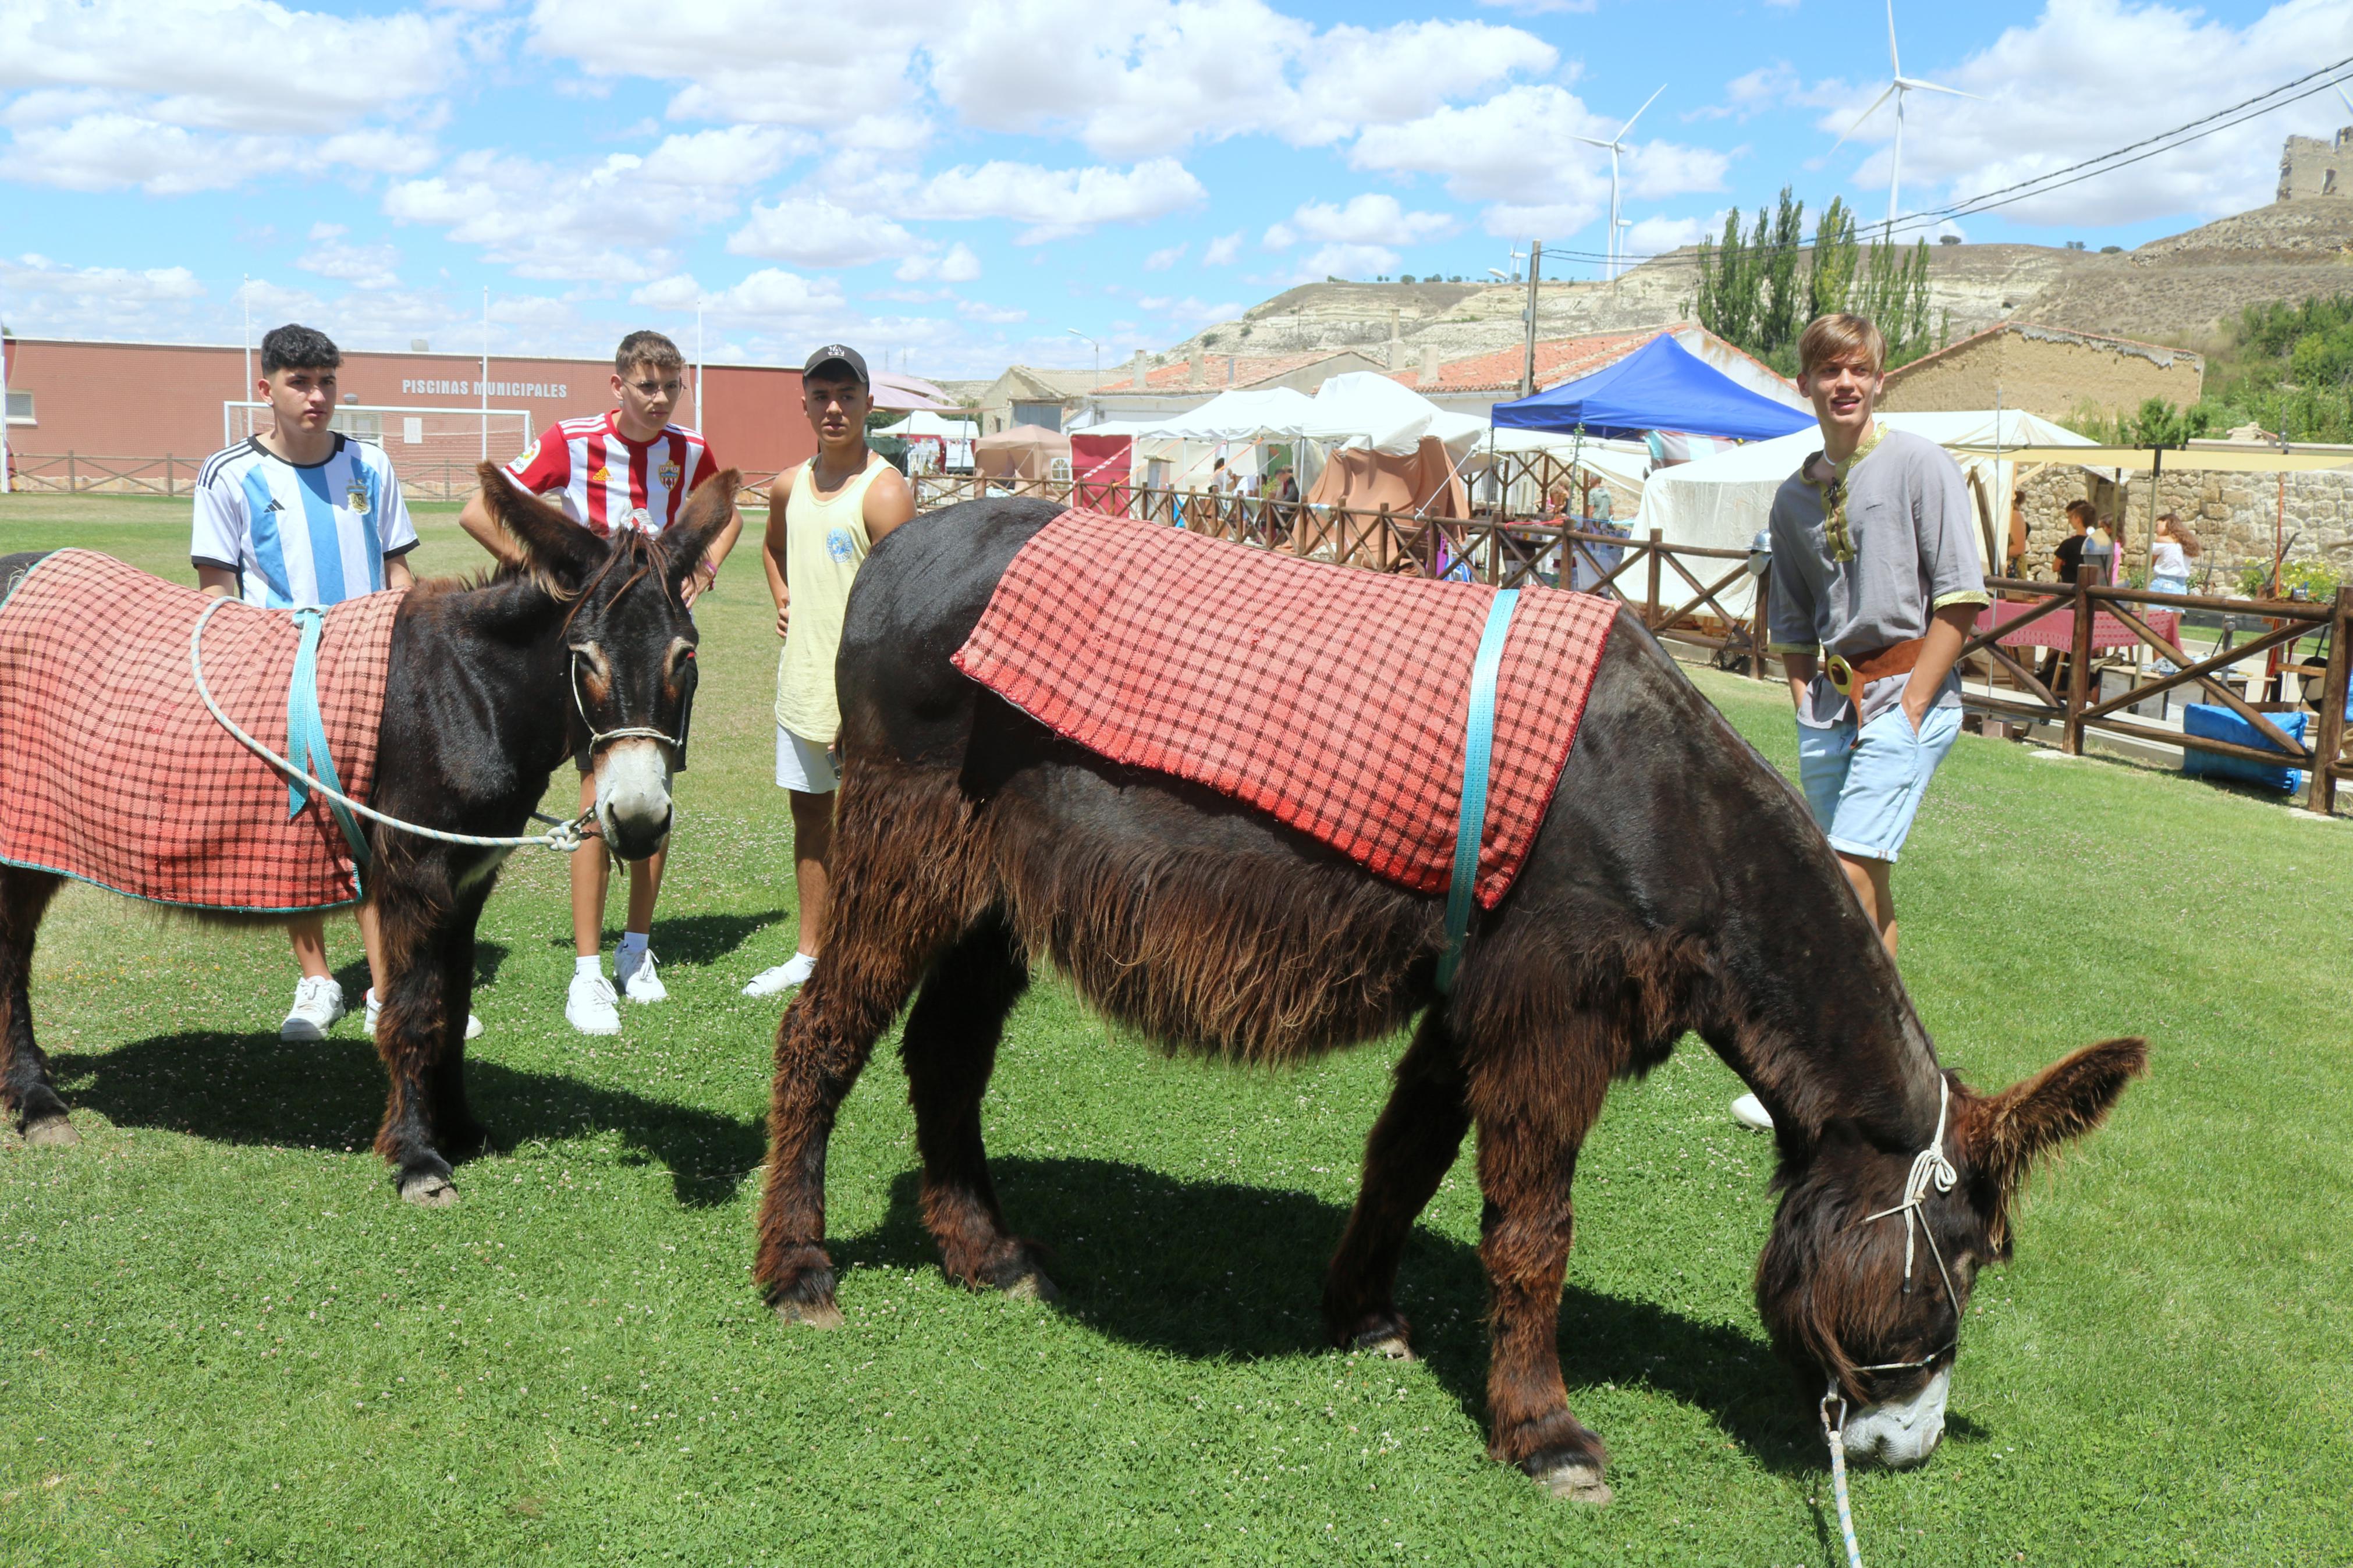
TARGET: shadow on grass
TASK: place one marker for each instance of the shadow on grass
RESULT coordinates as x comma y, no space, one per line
254,1088
693,939
1213,1270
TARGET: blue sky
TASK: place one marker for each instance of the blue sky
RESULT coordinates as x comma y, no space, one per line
954,187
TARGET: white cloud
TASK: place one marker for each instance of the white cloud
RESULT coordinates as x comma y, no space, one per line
361,266
612,220
1557,8
234,65
1222,250
815,232
1509,151
679,291
2090,75
1190,312
1372,218
744,61
32,274
994,315
111,150
1162,260
1135,78
957,265
777,297
1349,261
1056,202
1753,92
1657,235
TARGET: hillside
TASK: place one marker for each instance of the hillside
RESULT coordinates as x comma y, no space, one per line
2175,290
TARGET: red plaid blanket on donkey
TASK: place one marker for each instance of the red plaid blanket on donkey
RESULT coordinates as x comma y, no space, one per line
1333,699
111,769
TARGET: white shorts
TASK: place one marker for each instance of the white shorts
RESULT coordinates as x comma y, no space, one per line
804,765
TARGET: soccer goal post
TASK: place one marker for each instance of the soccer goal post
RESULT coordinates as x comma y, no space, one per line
434,450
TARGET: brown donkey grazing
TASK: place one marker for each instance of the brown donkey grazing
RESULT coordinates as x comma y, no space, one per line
489,689
1677,884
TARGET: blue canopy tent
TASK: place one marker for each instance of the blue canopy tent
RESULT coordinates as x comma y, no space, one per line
1659,387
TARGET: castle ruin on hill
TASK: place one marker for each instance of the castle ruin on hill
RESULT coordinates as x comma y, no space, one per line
2311,167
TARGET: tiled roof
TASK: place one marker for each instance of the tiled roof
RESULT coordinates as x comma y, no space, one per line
1247,370
1557,359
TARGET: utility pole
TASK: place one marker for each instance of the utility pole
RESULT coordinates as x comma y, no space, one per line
1535,270
484,385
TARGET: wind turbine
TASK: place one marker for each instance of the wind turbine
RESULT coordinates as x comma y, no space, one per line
1896,89
1615,145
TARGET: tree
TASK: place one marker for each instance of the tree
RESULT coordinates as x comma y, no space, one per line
1835,254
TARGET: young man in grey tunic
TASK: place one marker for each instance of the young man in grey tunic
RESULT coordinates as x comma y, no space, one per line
1876,584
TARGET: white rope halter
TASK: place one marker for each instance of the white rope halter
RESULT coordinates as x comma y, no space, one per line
1929,1168
598,737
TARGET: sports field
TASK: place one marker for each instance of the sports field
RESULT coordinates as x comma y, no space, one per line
227,1341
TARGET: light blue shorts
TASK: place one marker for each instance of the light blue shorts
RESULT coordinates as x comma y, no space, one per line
1865,791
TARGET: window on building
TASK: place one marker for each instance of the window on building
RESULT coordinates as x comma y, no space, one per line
20,408
1046,415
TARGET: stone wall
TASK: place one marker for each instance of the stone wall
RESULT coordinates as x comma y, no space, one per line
2047,371
2233,515
2311,167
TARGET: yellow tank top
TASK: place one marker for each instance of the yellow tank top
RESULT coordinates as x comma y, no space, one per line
825,541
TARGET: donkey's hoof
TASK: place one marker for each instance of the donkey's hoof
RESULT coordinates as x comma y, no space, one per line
1031,1285
1578,1480
1389,1344
429,1189
809,1314
50,1132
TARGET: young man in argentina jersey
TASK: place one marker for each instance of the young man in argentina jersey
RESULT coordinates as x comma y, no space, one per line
299,515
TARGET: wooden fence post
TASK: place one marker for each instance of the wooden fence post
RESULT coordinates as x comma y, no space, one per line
72,481
2331,741
1651,602
2079,665
1764,616
171,486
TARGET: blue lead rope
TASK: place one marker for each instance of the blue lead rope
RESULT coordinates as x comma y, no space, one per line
306,741
1478,745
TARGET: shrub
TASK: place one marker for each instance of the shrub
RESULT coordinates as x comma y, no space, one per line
2298,579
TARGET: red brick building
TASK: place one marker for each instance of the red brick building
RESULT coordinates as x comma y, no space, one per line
140,417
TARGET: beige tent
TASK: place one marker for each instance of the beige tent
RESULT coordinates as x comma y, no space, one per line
1415,486
1024,452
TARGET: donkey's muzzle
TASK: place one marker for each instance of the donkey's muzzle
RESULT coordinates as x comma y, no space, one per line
1900,1434
633,805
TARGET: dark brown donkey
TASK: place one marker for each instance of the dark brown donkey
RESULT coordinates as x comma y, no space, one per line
490,688
1677,884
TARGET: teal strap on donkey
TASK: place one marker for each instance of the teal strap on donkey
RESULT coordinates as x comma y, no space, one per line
1478,746
306,742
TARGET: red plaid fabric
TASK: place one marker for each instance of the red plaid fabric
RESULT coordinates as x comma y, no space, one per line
111,769
1332,697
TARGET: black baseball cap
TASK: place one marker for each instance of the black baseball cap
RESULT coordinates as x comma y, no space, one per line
837,353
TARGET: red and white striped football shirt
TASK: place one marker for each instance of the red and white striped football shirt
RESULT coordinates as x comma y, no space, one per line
604,481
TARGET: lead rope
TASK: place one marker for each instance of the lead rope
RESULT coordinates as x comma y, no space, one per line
566,836
1929,1168
1478,744
1835,1431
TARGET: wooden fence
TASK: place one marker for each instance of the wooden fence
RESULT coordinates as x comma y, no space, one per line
2076,709
77,473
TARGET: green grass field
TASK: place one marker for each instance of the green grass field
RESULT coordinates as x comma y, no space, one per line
227,1341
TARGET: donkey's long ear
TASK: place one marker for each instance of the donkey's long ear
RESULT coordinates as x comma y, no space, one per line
556,551
686,541
2028,1121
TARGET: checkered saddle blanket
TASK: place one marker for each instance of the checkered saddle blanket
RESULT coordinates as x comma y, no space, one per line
113,772
1334,698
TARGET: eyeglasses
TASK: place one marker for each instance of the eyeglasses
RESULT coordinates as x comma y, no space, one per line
659,388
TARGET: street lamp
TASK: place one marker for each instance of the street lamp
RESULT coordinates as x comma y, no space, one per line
1096,346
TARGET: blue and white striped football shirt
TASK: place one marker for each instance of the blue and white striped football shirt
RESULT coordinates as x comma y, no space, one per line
296,535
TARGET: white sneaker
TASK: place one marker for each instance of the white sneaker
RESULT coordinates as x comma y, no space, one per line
318,1003
1750,1111
592,1008
638,981
795,970
473,1024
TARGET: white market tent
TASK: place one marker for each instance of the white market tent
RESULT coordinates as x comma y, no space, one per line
1726,500
1365,408
956,437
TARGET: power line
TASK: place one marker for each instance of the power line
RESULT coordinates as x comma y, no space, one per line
2106,162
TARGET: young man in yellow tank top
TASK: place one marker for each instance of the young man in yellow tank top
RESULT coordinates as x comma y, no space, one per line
827,515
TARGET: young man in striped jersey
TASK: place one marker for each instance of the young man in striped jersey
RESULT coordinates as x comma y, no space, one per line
299,515
629,468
